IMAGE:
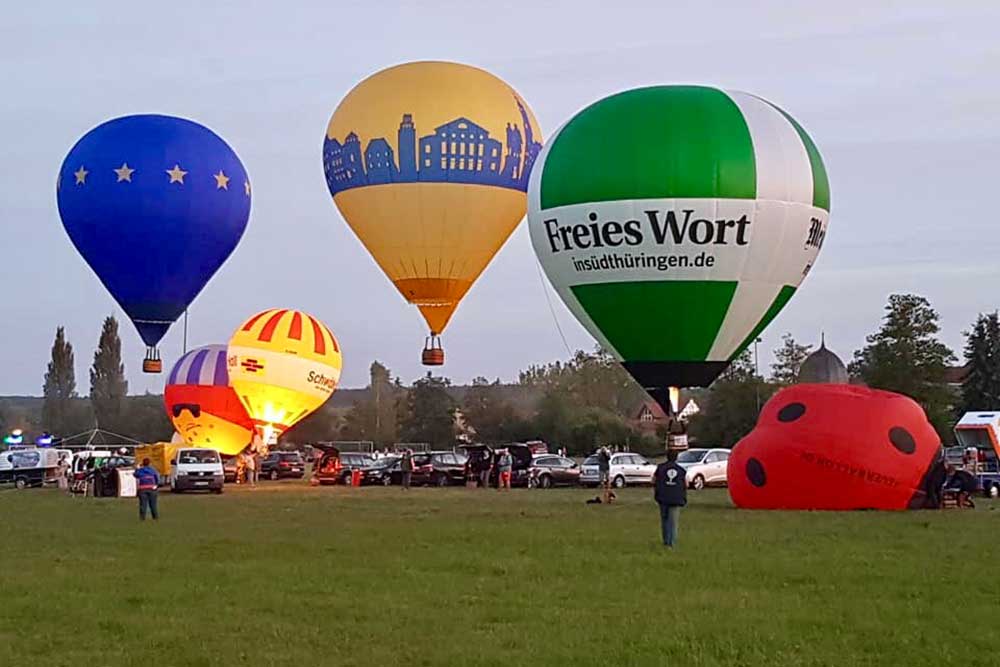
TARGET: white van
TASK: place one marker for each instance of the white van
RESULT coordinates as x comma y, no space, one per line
196,469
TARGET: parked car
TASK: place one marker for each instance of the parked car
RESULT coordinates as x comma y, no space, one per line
626,468
548,470
435,468
229,469
704,467
196,469
378,471
327,469
277,465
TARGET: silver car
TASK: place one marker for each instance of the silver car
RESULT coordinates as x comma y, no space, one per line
704,467
626,468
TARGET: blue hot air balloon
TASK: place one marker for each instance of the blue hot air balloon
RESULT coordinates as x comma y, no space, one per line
155,204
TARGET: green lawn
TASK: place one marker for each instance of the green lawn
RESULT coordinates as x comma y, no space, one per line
291,575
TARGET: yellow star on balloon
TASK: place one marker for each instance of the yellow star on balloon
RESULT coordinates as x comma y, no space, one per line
124,172
246,187
221,181
81,175
177,174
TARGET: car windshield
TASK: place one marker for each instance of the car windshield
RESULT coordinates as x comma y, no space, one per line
590,461
199,456
691,456
294,457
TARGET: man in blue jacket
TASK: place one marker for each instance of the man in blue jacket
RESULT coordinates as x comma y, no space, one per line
148,481
670,493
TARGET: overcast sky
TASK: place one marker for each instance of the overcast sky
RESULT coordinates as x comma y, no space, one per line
902,101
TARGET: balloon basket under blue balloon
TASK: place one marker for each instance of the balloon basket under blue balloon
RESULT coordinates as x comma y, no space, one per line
152,363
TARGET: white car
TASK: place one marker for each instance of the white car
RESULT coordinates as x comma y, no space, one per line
704,467
626,468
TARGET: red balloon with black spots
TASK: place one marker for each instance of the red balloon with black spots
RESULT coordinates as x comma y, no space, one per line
834,447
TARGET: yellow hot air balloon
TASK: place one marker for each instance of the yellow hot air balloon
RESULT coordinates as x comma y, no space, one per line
428,162
283,365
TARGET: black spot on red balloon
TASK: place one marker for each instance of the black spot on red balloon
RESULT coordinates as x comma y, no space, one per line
902,440
755,472
791,412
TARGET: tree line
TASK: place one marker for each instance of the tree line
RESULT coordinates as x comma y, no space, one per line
107,405
578,404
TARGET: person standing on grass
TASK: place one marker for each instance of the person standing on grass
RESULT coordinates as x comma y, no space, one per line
251,467
505,464
148,482
406,469
604,472
670,493
63,472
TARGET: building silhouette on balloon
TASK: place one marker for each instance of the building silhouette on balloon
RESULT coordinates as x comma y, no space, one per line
459,151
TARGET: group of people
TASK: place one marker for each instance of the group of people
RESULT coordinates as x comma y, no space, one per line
481,466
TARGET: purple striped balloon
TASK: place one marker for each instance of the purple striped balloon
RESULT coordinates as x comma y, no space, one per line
201,366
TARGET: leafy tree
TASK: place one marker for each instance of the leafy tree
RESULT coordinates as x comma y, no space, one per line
788,360
108,386
594,427
59,388
375,416
905,356
490,414
320,426
730,407
553,419
981,386
589,380
143,418
430,413
384,397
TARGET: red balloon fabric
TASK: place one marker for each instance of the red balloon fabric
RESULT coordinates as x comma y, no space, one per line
834,447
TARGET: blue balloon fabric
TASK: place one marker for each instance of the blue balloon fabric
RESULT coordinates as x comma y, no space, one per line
155,205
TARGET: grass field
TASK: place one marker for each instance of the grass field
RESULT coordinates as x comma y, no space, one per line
290,575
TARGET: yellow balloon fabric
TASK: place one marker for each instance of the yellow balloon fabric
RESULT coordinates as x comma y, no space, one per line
283,365
428,162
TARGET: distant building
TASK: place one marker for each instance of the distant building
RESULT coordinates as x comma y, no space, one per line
823,367
954,376
649,416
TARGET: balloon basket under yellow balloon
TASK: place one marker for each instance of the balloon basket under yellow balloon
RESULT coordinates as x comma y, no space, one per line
433,353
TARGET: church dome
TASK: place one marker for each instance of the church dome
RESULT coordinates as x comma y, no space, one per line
823,367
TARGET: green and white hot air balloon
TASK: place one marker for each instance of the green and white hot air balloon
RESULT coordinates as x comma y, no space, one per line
676,222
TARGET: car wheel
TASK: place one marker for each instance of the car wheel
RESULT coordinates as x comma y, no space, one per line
545,482
993,491
386,480
618,482
440,479
698,483
217,492
20,483
274,475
